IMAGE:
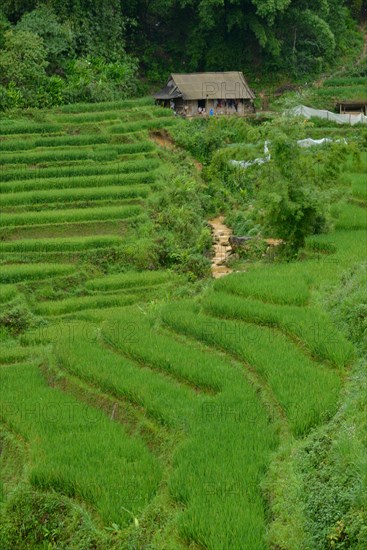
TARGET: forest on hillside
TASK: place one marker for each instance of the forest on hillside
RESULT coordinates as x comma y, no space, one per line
65,51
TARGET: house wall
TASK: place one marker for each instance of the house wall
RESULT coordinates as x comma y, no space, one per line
190,107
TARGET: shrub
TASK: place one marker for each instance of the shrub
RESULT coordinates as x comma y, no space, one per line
178,214
57,38
94,79
348,305
23,59
16,318
21,526
196,266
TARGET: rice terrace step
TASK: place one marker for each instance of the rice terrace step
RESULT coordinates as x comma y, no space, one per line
161,385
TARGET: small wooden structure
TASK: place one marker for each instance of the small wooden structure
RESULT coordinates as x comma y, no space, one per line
352,107
207,94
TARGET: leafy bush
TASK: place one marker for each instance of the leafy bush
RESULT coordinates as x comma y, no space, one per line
36,70
23,59
195,265
94,79
241,222
296,196
204,136
140,255
178,216
31,519
348,304
57,38
16,317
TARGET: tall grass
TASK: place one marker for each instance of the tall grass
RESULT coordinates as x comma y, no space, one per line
10,354
103,152
117,114
270,285
70,305
70,215
345,248
143,125
307,392
60,141
77,182
356,91
60,244
25,272
350,216
74,194
346,81
217,472
358,183
359,190
75,449
106,106
129,280
28,127
135,337
164,400
7,292
90,168
309,325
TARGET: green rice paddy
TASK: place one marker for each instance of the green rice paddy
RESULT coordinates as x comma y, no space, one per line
157,414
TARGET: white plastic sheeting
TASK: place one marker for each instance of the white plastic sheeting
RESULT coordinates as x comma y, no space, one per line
308,112
246,164
309,142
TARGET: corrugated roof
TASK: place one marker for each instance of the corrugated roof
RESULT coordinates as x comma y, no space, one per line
223,85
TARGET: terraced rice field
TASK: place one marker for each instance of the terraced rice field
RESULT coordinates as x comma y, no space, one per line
160,416
334,90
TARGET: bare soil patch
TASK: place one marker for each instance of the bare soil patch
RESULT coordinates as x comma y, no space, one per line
222,248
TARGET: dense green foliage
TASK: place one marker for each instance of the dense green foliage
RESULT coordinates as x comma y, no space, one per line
348,304
296,36
289,197
332,463
56,52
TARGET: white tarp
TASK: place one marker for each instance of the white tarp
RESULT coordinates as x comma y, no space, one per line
309,142
308,112
246,164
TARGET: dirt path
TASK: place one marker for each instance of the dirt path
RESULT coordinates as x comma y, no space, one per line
221,232
163,139
222,248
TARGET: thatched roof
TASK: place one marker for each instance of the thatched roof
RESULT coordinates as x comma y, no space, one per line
168,92
225,85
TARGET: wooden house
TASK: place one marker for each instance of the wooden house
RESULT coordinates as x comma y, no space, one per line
352,107
207,94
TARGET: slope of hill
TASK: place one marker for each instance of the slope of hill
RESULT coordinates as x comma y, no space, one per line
133,416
